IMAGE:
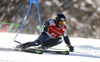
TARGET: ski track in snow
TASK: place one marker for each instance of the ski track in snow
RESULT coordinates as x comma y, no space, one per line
86,50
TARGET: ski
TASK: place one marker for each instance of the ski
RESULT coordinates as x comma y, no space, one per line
22,50
58,52
36,51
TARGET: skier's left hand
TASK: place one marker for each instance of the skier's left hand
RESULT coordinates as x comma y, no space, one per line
71,48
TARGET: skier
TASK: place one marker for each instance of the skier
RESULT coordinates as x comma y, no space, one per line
51,34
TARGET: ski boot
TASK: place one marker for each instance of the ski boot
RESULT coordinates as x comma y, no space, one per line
42,48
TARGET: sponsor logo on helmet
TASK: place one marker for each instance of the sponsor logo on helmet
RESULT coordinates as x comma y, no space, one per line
63,19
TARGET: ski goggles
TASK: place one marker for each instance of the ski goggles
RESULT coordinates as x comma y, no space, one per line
61,22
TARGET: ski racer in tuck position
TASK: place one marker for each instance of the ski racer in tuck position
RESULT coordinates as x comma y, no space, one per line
51,34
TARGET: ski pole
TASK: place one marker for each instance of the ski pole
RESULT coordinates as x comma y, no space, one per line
23,21
52,48
60,49
17,42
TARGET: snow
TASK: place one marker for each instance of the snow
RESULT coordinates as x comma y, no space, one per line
86,50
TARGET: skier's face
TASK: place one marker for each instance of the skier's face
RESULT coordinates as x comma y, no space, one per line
61,24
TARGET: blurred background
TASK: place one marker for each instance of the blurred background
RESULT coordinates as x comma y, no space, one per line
83,16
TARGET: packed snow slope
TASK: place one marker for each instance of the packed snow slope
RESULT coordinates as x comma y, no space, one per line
86,50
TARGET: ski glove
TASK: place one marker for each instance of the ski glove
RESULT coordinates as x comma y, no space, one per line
46,26
71,48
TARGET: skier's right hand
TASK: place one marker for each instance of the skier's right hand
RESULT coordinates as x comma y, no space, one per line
46,26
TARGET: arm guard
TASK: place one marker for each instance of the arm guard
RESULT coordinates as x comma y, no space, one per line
46,26
67,41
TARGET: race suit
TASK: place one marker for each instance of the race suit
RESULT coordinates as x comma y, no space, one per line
51,35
